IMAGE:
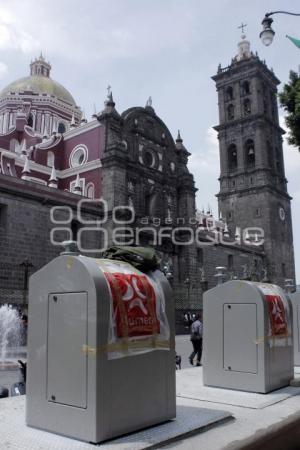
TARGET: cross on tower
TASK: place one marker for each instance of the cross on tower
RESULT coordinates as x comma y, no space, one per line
242,26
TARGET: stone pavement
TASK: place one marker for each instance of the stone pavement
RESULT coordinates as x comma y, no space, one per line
261,421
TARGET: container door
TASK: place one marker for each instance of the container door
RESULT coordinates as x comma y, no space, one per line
240,335
66,360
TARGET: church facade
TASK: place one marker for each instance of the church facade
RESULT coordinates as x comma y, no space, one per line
53,159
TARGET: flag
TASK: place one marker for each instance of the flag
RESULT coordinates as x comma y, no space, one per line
294,41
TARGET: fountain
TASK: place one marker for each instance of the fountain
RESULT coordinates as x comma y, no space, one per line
10,334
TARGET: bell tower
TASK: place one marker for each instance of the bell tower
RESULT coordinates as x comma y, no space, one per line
253,187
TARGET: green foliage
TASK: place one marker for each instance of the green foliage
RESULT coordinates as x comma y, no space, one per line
290,100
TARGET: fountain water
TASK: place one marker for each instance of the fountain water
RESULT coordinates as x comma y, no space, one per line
10,334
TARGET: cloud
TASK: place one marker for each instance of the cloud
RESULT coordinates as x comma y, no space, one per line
207,158
12,36
105,32
3,70
204,164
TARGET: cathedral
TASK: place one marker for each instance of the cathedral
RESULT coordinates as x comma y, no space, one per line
52,159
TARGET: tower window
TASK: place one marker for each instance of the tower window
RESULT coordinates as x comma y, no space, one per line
245,88
229,93
265,106
270,155
283,269
230,262
250,153
61,128
247,107
278,160
232,157
230,112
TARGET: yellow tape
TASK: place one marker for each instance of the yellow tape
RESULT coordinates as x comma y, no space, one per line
70,261
125,346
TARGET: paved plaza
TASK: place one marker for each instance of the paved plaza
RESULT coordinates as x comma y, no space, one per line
209,418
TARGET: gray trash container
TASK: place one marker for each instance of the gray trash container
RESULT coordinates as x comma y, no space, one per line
101,349
295,298
247,337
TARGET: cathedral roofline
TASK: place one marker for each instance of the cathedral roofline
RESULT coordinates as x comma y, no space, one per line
237,66
147,111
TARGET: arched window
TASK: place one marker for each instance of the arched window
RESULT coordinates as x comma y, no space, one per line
270,155
50,159
152,203
148,198
61,128
230,112
229,93
247,107
278,160
265,104
90,190
30,121
250,153
245,88
232,157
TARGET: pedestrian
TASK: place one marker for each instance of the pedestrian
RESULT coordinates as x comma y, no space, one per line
196,339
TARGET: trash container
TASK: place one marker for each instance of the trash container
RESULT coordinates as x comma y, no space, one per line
101,349
247,337
295,298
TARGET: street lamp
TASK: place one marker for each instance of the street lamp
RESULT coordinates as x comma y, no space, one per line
27,265
267,34
187,282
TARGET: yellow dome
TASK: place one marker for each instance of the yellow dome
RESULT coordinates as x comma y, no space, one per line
40,85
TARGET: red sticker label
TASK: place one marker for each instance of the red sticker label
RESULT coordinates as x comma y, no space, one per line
277,316
134,305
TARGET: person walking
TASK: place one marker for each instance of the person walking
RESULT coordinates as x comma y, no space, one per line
196,339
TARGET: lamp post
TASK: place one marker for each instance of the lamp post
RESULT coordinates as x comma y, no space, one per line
167,272
187,282
267,34
27,265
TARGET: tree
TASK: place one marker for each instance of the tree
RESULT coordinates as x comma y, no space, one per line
290,100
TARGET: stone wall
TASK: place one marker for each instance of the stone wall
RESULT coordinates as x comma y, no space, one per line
25,228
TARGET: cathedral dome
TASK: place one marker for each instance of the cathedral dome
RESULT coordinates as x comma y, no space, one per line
39,82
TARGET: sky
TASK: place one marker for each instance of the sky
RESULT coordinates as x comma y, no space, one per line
168,49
